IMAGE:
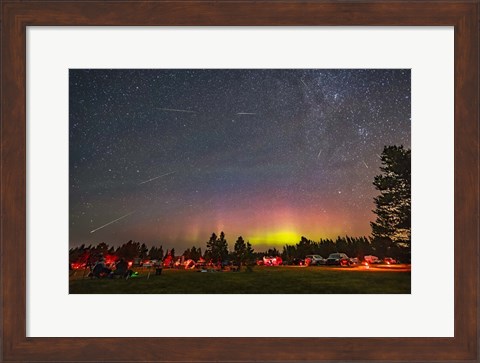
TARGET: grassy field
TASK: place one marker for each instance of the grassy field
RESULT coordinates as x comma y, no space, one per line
262,280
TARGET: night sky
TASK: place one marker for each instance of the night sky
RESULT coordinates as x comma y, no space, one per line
170,156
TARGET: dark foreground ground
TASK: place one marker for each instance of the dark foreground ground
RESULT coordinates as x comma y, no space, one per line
262,280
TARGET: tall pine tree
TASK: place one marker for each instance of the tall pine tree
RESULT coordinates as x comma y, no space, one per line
217,248
210,251
392,227
240,251
222,246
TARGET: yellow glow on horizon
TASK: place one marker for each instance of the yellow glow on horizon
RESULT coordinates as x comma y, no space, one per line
279,237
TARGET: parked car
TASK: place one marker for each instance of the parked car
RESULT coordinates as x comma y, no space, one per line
354,261
389,261
148,263
298,262
340,259
272,260
371,259
313,260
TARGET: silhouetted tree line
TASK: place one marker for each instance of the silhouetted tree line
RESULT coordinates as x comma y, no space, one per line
352,246
243,253
128,251
216,251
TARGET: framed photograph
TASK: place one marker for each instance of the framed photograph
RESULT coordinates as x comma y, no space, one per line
240,181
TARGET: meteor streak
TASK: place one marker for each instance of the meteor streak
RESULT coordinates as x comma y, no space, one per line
364,163
126,215
176,110
149,180
246,113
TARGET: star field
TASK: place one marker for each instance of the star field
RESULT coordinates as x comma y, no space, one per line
170,156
